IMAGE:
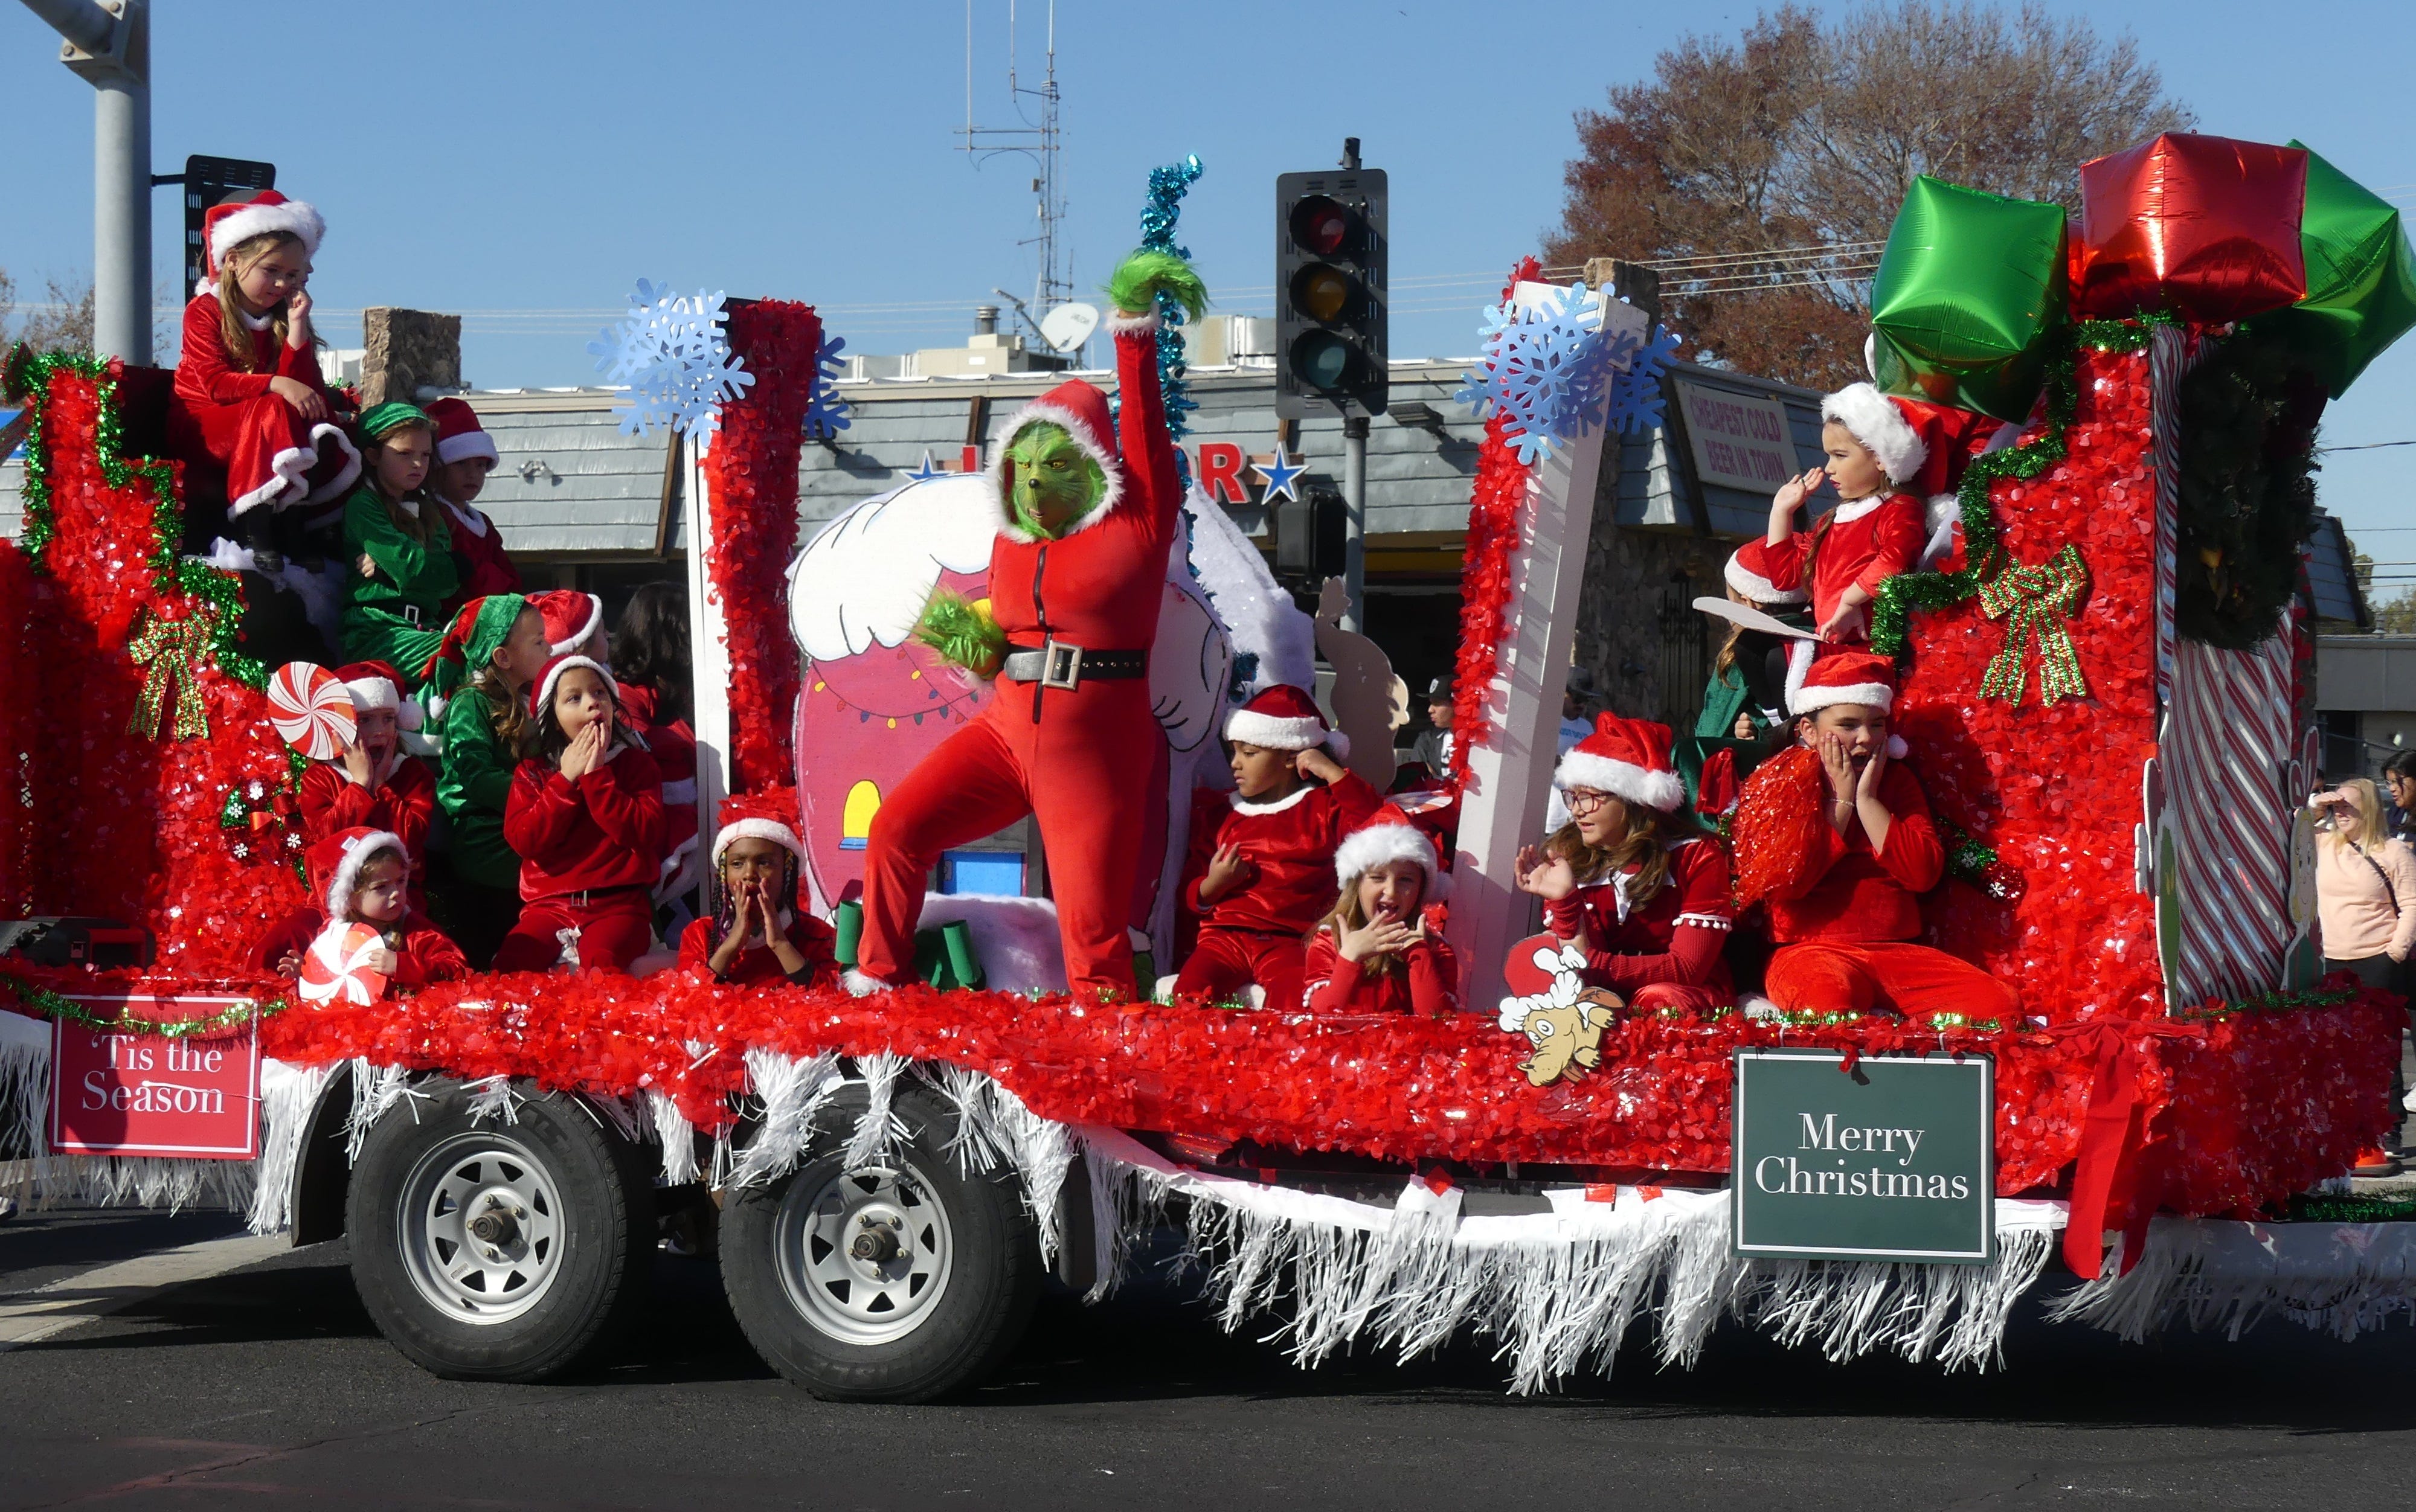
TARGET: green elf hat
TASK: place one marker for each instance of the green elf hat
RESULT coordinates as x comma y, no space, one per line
379,420
470,642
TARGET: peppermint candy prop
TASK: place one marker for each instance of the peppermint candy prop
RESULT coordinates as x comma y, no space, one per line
310,711
336,966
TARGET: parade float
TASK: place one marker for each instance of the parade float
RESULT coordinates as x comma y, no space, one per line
2105,692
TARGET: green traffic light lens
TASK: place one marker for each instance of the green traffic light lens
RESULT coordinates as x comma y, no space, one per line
1322,360
1321,225
1322,293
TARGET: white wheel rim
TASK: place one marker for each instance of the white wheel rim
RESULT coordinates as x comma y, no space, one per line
864,1254
480,1224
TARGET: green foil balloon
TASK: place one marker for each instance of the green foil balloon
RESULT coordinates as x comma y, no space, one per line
1967,291
2361,278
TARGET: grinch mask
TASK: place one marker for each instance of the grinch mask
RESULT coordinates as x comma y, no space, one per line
1051,481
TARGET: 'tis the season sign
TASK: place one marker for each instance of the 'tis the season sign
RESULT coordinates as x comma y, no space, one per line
125,1093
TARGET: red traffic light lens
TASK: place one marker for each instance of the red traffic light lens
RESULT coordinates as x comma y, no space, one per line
1322,360
1321,225
1323,293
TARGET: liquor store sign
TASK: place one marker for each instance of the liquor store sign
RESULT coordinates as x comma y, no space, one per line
1891,1158
117,1093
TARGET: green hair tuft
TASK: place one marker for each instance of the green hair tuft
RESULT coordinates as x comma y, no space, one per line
1147,273
961,633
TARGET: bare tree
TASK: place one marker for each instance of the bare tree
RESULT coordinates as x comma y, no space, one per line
1798,136
62,322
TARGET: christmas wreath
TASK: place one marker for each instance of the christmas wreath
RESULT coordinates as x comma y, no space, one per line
2248,489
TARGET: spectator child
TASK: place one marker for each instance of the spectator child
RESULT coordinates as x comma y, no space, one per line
400,554
248,399
756,935
363,876
1373,953
1836,835
586,815
494,650
1255,874
465,453
372,784
1643,893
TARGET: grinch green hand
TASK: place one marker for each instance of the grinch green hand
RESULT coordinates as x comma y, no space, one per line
963,632
1146,275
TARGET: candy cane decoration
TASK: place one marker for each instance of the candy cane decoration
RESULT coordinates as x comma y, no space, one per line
310,711
336,966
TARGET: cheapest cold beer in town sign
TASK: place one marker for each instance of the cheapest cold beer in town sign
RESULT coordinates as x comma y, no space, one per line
1890,1158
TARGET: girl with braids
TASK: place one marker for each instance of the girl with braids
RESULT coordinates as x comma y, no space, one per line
1643,893
756,935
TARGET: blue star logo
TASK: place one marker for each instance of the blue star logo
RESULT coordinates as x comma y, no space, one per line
1282,477
926,472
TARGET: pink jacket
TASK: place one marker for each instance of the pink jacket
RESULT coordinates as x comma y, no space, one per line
2357,911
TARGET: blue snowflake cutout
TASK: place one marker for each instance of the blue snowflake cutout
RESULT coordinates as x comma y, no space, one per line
1547,371
1637,398
671,351
826,414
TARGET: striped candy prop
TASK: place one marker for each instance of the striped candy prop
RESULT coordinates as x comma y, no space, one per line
336,967
310,711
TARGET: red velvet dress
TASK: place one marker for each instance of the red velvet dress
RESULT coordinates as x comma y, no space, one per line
482,566
1671,952
1861,544
404,806
224,420
673,747
1429,987
422,953
589,853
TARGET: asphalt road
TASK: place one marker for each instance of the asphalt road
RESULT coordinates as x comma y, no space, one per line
269,1386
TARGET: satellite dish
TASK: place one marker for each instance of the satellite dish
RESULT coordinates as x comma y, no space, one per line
1068,326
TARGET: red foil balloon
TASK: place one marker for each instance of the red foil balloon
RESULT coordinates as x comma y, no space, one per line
2203,226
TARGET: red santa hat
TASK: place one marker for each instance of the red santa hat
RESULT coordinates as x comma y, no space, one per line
570,618
1846,676
376,686
336,861
1748,573
541,691
1082,410
226,227
1883,424
763,815
1627,759
459,435
1389,836
1284,718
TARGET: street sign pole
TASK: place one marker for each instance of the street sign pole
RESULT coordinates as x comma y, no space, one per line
1354,521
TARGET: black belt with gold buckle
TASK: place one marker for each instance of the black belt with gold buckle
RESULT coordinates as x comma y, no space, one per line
1060,664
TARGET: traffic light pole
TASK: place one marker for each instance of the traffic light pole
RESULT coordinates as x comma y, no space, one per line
1354,521
110,46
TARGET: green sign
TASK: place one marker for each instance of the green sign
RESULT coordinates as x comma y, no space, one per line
1893,1160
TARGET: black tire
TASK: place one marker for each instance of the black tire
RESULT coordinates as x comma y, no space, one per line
813,1313
568,1270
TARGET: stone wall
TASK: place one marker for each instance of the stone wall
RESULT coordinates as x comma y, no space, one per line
1649,652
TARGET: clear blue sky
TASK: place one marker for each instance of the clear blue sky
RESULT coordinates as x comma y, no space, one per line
537,160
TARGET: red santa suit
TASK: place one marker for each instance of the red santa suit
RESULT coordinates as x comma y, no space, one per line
672,744
1671,950
1844,914
1427,981
589,851
403,804
479,561
422,953
1077,751
223,417
756,964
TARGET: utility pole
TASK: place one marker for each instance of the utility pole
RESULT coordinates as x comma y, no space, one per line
108,42
1354,486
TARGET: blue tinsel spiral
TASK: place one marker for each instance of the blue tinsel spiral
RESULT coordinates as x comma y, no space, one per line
1164,207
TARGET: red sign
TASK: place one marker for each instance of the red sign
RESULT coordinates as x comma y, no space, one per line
148,1094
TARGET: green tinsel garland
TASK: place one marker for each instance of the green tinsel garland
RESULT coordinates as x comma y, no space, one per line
2309,1208
28,376
1984,556
50,1005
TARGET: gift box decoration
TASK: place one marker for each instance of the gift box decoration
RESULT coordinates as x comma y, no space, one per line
2204,226
1967,291
2361,278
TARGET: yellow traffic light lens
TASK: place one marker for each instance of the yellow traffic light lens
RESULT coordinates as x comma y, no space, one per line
1322,360
1322,293
1321,225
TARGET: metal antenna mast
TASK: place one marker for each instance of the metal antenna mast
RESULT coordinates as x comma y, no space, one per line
1035,138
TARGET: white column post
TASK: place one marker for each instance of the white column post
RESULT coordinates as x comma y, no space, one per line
708,650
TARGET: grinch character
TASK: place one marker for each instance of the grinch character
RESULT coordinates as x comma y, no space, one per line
1087,511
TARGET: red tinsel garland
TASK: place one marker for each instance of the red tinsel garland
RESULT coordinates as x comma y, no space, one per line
1488,577
752,473
20,708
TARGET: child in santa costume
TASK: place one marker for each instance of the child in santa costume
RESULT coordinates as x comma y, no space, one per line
465,453
650,661
1373,952
363,876
249,403
756,935
586,815
1260,855
1088,509
373,784
494,650
1836,836
574,623
1631,881
401,556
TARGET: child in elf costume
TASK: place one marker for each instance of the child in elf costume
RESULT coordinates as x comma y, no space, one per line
372,784
493,650
363,876
1373,952
465,453
1836,836
401,556
1076,576
756,935
585,814
249,402
1255,874
1642,890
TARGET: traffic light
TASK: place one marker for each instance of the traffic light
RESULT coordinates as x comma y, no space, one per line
213,181
1330,256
